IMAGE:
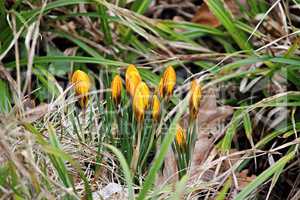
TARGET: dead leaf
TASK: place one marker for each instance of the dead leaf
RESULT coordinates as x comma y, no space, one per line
170,170
205,17
244,179
232,159
209,128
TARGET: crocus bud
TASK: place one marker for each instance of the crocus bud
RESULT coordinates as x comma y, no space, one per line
195,98
168,82
132,78
141,101
161,87
155,108
116,89
180,136
82,86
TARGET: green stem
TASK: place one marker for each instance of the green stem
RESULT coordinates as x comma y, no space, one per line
136,151
150,144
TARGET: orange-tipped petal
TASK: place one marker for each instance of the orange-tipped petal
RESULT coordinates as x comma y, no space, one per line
195,98
141,101
169,81
132,79
82,86
180,136
161,88
116,89
155,108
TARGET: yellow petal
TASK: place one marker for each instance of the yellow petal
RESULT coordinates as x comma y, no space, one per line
169,81
116,89
195,98
82,86
161,88
155,108
132,79
79,75
141,100
180,136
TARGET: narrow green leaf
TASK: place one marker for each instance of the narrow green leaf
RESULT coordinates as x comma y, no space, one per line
231,130
247,125
217,8
139,6
104,24
125,168
76,59
57,162
159,158
264,176
81,44
5,97
223,193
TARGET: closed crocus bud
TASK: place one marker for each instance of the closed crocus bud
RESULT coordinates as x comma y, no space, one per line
155,108
116,89
180,136
141,101
169,82
195,98
82,86
78,76
161,87
132,79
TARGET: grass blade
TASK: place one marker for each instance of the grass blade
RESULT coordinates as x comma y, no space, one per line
104,24
125,168
166,143
264,176
224,17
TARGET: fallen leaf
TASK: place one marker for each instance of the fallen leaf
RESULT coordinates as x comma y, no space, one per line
209,128
244,179
232,159
205,17
170,171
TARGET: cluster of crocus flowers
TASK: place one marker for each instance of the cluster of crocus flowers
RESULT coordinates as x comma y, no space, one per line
167,82
139,95
142,100
82,86
137,90
195,98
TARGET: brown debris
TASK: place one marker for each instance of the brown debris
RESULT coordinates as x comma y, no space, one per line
205,17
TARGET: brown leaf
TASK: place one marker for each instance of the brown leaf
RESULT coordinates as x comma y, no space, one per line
170,170
244,179
232,159
205,17
209,119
